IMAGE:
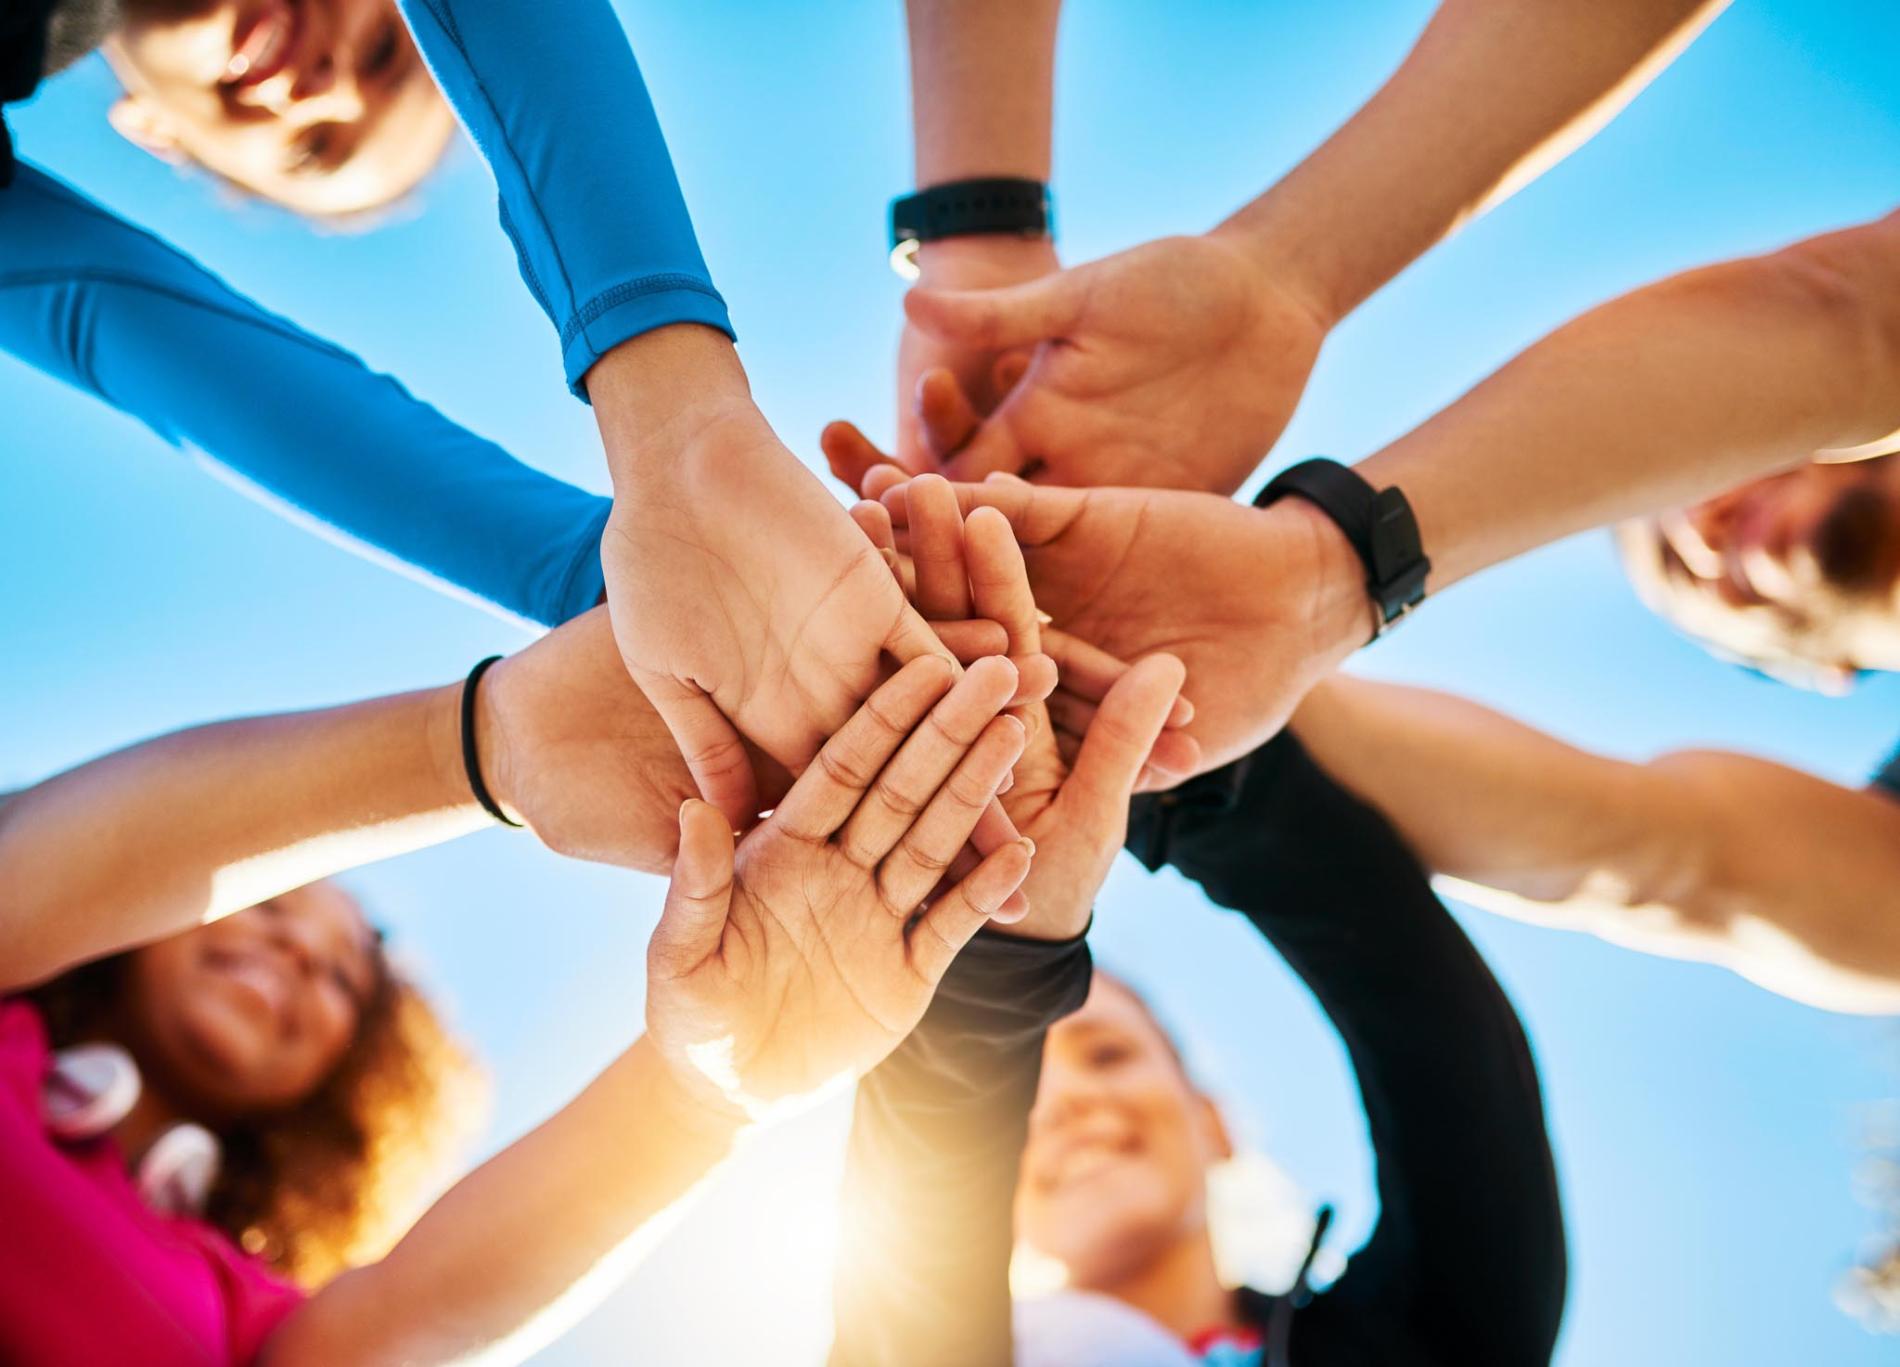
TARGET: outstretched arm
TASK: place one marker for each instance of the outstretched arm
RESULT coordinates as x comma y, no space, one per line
1781,876
108,308
982,93
801,960
1467,1262
1680,389
1178,363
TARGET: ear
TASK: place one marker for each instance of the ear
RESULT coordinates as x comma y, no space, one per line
1213,1126
140,124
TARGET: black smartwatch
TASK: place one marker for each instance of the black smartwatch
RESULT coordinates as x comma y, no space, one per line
1379,524
963,208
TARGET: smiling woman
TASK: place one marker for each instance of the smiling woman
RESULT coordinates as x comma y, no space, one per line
329,1075
323,106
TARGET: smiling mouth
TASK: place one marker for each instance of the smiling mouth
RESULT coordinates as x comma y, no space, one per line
1081,1161
265,44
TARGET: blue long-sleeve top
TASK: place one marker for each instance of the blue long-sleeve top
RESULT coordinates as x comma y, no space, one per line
553,97
113,310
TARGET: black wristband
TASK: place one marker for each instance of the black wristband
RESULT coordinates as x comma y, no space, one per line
1378,522
471,762
1001,204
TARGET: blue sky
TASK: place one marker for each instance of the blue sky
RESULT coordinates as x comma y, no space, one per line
1706,1131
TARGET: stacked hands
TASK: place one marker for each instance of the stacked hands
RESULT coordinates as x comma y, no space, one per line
935,708
992,789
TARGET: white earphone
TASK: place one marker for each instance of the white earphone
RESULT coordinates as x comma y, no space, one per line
92,1087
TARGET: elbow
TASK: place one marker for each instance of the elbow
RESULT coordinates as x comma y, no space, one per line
1847,285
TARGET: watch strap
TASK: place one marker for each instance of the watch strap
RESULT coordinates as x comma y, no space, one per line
1378,522
962,208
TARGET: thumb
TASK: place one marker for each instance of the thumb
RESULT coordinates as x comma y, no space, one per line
1017,316
1117,744
714,754
694,916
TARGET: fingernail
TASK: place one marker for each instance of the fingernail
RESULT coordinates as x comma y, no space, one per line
1030,846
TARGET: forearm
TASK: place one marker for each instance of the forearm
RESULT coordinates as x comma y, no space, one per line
91,300
528,1241
930,1177
1782,877
1467,1260
157,838
556,103
1676,391
1491,96
982,75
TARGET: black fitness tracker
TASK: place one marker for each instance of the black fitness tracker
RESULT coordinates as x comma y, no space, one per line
1379,524
962,208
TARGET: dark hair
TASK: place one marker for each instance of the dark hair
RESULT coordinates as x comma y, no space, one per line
329,1182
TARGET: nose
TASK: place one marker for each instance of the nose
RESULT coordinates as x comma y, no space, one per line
297,938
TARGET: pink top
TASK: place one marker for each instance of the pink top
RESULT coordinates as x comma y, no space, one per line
90,1274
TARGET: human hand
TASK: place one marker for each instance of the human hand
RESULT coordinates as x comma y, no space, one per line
979,375
1258,604
804,958
571,748
1073,806
1071,674
744,602
1175,364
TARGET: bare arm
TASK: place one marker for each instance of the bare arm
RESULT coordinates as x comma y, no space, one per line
1491,96
556,1216
1789,880
157,838
982,78
1178,363
1677,390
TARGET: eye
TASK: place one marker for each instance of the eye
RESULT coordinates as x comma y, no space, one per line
1107,1054
383,55
307,154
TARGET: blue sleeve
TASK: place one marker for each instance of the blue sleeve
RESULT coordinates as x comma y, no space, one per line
554,100
106,307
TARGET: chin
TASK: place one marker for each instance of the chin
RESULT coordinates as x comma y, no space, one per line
1100,1246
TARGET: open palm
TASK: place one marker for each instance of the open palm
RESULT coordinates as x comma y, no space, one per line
804,958
1075,808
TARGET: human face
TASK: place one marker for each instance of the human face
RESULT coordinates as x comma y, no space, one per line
1115,1170
252,1013
1809,558
323,106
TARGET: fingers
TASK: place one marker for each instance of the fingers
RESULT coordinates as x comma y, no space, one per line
830,789
998,579
911,637
947,927
1089,672
1118,742
1175,756
998,319
693,917
936,549
934,838
850,453
1025,505
945,412
937,744
974,638
710,745
874,520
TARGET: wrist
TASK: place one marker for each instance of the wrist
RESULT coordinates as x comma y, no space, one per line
681,1099
1287,264
984,260
442,736
690,1113
653,393
493,752
1342,615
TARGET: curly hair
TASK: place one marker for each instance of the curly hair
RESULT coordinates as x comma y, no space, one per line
330,1182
